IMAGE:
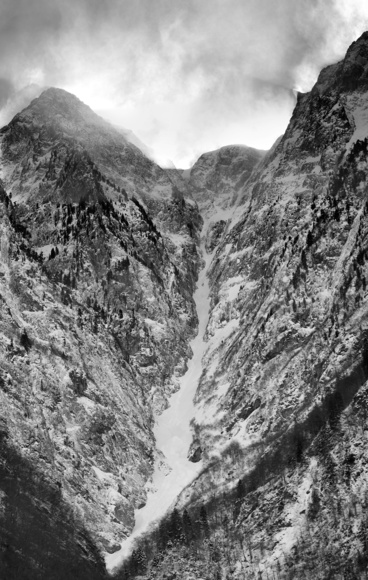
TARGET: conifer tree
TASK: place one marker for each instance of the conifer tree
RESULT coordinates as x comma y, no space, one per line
176,528
188,530
204,522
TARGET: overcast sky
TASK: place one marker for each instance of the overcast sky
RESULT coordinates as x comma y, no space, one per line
186,76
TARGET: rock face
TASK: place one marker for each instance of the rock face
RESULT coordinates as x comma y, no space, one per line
282,402
216,181
218,176
288,277
97,271
59,123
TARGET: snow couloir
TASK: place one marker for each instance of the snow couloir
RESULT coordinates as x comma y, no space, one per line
173,433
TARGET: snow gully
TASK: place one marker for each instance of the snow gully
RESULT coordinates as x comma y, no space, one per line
173,432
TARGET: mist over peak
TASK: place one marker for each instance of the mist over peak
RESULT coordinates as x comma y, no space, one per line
168,71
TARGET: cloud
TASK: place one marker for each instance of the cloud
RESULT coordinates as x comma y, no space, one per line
13,101
185,75
6,90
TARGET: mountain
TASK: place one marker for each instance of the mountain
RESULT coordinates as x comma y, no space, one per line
216,181
59,122
281,406
94,288
222,174
243,281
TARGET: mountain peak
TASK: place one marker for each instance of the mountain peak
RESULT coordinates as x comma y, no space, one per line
59,107
359,42
220,174
58,120
56,93
349,74
61,99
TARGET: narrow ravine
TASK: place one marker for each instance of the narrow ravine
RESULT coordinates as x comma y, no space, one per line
172,431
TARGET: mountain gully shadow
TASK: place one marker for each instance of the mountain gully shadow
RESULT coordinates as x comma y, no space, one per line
39,537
